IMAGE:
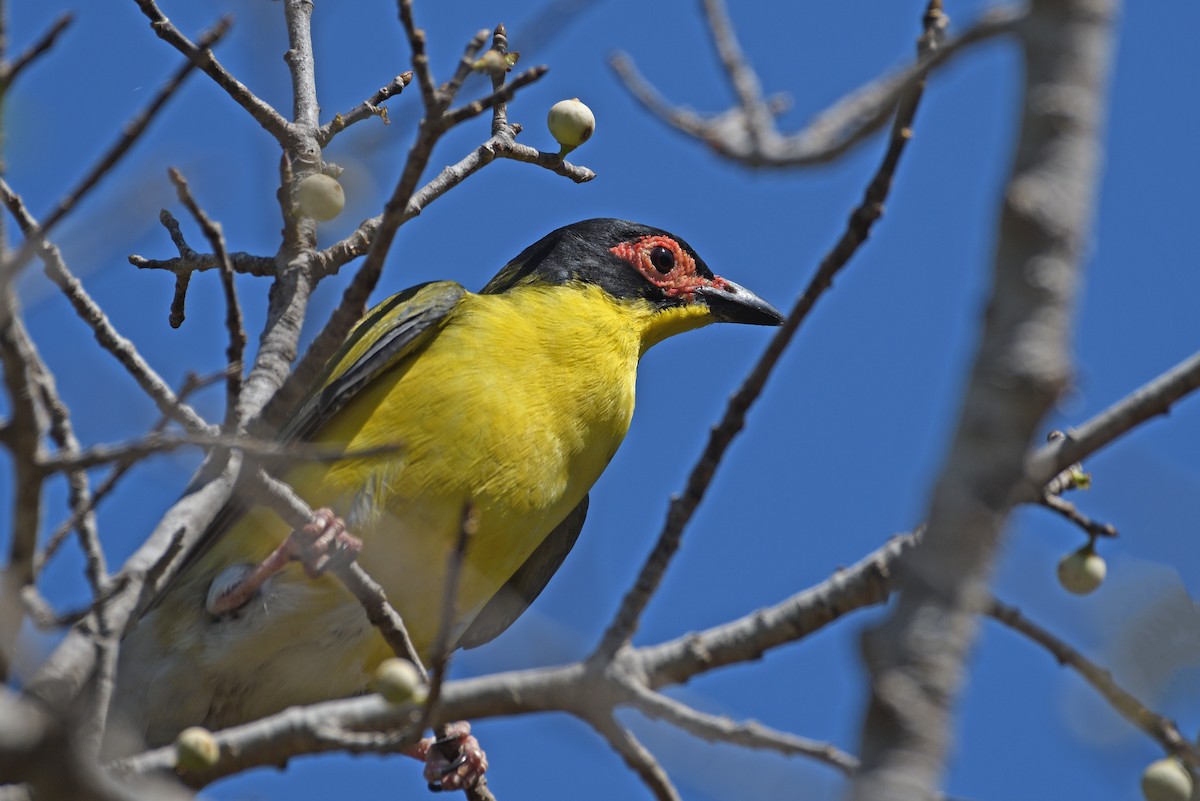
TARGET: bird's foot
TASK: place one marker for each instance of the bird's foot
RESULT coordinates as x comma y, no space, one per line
453,761
320,545
323,544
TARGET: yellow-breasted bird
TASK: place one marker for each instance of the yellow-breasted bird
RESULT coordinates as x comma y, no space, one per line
514,399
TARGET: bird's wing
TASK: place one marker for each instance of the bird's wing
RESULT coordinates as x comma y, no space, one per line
394,330
527,583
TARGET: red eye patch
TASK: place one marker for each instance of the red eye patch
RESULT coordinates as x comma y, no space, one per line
681,279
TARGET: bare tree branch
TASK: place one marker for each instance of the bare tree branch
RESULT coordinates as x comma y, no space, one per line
120,468
40,750
233,311
416,42
91,313
190,262
61,678
1146,402
10,70
746,733
26,426
637,757
1161,728
201,56
746,133
371,107
306,110
79,493
857,230
131,133
1069,511
915,657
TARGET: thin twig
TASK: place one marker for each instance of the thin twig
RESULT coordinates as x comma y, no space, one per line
449,90
381,614
1068,510
756,114
442,646
91,313
371,107
236,348
1145,403
130,134
746,733
1161,728
165,442
547,160
502,95
201,56
416,42
499,110
242,263
79,496
468,527
28,421
120,468
10,70
682,507
636,756
832,133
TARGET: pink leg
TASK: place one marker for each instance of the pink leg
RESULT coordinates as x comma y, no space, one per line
463,768
322,544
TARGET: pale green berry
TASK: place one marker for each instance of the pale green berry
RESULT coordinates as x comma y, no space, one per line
1082,571
399,681
320,197
571,124
1166,780
196,749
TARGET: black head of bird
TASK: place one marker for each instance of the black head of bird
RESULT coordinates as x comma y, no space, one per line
631,261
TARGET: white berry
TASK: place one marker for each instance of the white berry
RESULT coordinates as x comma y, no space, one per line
571,124
1082,571
1166,780
196,749
320,197
399,681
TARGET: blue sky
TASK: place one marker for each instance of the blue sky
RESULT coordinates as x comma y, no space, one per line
837,456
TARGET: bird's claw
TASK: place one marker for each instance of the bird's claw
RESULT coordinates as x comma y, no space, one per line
324,544
454,761
321,545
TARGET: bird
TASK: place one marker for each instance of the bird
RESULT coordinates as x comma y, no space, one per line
513,400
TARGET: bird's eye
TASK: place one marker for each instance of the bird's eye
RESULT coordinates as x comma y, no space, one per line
662,259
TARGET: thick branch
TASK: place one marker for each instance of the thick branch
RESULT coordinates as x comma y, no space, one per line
916,657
